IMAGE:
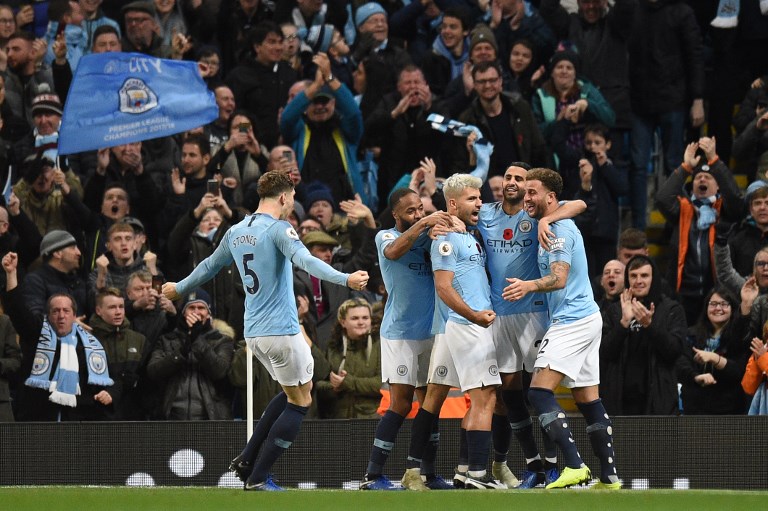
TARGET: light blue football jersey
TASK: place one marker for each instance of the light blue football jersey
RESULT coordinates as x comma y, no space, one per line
263,248
576,300
511,244
410,289
462,254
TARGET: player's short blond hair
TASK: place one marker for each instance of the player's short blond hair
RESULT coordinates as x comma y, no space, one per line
456,184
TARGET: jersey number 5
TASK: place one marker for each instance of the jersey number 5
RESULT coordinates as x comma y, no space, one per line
249,272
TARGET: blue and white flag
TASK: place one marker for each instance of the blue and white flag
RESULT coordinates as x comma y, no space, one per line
118,98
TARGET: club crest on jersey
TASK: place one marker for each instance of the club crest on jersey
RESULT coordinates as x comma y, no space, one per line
445,248
441,371
556,244
387,236
291,233
402,370
525,226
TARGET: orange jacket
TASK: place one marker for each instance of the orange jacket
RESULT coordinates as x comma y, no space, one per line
455,405
756,371
687,217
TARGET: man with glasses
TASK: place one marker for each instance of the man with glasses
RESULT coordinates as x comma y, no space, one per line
505,120
140,35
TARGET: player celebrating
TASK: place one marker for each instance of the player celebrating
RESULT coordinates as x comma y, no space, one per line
263,246
569,352
464,356
509,235
406,341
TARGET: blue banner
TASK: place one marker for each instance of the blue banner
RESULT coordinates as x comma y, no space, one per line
118,98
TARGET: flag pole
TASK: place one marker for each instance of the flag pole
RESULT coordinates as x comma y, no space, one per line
249,391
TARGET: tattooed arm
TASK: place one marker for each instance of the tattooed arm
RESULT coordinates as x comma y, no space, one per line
555,280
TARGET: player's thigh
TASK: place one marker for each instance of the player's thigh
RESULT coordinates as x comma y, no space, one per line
288,358
474,355
405,361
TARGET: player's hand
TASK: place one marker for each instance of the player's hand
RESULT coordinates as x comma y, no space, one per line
545,234
515,290
169,291
438,218
356,281
484,318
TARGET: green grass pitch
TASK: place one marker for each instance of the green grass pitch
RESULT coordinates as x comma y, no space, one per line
210,499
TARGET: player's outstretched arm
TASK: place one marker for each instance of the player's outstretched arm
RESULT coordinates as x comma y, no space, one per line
314,266
358,280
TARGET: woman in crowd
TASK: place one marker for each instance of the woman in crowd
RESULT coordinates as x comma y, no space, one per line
754,381
525,73
352,388
712,365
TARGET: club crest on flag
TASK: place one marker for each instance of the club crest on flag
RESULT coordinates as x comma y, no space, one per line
136,97
119,98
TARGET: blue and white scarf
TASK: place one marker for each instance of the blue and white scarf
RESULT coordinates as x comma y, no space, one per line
65,384
707,214
482,147
48,145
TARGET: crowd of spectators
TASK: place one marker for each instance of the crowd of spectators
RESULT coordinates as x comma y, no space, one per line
339,94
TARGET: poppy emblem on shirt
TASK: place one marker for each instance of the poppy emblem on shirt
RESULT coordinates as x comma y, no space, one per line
507,234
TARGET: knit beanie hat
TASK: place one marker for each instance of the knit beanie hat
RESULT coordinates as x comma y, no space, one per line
569,55
198,295
318,37
365,11
482,34
47,103
318,191
55,240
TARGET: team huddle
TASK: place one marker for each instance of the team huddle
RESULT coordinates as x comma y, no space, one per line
445,325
